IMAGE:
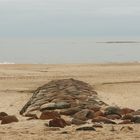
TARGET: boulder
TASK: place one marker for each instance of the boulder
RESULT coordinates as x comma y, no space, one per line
9,119
46,115
57,122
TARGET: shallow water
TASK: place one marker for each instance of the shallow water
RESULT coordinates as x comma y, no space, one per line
67,51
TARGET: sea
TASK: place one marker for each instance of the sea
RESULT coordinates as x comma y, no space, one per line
64,51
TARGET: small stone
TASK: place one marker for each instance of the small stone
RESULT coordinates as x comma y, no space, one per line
77,122
82,115
103,120
99,113
98,126
46,115
31,118
70,111
113,117
9,119
127,117
96,108
90,115
136,119
3,114
126,111
33,114
62,105
126,122
48,106
86,128
112,110
57,122
136,112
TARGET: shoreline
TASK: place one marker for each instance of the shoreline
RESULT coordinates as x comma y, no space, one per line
94,63
115,84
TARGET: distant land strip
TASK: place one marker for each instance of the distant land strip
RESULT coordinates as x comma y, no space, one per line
119,42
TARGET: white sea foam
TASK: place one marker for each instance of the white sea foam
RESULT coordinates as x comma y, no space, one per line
1,63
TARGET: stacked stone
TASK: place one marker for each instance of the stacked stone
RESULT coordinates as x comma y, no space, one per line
79,101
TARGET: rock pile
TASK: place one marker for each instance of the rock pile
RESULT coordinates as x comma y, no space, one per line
77,100
69,96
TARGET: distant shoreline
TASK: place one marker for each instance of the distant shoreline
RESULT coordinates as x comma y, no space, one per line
71,64
119,42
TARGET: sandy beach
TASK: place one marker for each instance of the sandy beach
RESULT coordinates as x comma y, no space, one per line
116,84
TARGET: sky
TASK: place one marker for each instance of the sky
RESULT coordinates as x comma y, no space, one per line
66,31
69,18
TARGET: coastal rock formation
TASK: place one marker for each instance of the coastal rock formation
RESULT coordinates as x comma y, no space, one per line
78,101
67,96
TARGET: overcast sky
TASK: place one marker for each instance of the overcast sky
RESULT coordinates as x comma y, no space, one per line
69,18
62,31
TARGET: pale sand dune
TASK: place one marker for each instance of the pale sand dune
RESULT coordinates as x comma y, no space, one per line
116,84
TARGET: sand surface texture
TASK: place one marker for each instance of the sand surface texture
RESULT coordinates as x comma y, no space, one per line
116,84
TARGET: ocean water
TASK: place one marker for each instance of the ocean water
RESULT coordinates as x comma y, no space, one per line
61,51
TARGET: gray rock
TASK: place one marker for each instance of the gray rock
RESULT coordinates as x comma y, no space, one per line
112,110
62,105
48,106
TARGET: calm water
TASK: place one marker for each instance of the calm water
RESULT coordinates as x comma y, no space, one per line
67,51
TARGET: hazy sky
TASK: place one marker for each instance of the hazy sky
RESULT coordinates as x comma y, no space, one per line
30,30
69,18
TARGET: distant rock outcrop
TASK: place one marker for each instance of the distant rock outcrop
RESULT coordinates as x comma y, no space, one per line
69,96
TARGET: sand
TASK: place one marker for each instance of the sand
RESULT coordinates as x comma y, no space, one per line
116,84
